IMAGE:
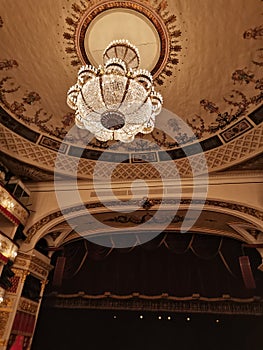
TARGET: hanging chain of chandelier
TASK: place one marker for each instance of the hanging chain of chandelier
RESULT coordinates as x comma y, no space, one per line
115,101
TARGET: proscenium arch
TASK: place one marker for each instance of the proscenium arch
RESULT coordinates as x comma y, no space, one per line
50,221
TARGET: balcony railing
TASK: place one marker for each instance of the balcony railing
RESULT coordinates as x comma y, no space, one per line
11,208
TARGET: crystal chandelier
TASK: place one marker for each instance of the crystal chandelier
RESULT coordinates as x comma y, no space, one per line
117,100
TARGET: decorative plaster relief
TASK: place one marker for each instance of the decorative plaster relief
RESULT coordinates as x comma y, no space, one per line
219,204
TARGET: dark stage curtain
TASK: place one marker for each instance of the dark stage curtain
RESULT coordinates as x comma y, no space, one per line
173,263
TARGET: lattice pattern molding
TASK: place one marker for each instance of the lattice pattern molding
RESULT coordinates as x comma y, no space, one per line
226,155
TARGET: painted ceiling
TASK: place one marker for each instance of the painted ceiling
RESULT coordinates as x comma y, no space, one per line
206,60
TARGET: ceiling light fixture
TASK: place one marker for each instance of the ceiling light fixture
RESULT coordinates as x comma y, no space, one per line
118,100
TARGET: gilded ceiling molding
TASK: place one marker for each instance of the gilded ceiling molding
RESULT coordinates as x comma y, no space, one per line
237,150
32,231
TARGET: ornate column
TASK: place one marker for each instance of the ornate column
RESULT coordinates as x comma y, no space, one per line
12,214
9,305
19,311
36,312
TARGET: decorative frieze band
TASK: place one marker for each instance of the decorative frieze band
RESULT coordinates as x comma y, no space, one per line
213,203
136,301
28,306
33,264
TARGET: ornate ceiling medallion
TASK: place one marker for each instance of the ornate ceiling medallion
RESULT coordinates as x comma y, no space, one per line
118,100
148,26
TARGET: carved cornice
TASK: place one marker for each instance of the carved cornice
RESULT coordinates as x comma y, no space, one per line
33,264
37,270
21,263
35,260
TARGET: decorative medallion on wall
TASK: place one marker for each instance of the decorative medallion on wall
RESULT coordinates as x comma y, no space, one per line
148,25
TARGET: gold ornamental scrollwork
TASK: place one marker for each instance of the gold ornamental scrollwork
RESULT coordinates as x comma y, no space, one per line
3,342
16,212
24,276
42,263
20,262
18,272
6,303
28,306
3,321
38,270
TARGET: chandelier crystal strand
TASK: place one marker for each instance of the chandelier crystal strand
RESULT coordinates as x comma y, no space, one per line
115,101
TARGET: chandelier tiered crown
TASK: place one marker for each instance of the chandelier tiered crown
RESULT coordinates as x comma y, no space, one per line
117,100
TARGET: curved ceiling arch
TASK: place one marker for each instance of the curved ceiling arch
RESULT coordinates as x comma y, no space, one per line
217,218
209,76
